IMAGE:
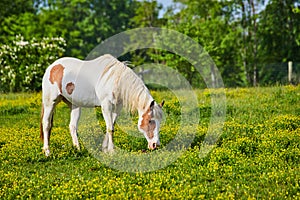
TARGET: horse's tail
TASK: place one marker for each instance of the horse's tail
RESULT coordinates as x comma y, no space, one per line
41,124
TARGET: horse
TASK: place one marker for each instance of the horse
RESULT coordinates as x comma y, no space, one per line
102,82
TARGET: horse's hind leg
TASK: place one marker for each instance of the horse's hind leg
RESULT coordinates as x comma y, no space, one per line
47,120
75,114
50,100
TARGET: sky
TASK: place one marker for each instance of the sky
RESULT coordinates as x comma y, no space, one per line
165,4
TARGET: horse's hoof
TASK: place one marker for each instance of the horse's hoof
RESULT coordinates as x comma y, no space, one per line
111,151
108,151
46,152
77,147
104,150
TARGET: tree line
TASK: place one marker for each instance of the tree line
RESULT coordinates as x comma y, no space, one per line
247,39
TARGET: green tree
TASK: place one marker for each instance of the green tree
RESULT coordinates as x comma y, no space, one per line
145,15
65,19
16,17
279,31
279,34
209,24
249,21
84,24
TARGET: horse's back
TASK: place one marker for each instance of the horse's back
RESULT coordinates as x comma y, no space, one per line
76,79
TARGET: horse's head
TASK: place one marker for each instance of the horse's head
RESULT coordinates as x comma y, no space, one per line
149,124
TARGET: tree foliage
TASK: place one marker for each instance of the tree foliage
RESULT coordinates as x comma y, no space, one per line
279,31
245,38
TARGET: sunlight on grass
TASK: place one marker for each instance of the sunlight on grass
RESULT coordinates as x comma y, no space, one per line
257,155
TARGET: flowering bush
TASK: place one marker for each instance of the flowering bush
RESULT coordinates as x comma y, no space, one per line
22,63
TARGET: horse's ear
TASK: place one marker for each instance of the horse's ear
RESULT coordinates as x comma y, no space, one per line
152,105
162,104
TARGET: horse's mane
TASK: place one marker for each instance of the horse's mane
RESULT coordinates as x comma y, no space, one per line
128,86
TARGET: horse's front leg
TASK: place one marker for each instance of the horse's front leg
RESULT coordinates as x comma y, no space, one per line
107,112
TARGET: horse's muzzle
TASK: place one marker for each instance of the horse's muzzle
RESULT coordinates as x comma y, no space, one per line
153,145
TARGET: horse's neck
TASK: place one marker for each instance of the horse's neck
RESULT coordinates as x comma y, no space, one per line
144,106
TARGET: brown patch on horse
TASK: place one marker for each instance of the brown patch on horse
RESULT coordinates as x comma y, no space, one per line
147,124
70,88
56,75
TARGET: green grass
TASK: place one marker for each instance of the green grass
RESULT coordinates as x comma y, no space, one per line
256,157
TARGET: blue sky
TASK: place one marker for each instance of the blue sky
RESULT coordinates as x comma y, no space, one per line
165,4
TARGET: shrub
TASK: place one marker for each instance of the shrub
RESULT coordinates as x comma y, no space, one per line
22,63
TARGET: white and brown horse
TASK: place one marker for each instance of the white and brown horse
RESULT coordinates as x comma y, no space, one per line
104,82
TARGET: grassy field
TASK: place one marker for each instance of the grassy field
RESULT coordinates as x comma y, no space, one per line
256,157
